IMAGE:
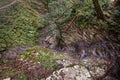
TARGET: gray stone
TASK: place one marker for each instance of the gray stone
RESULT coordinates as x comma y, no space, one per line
86,70
7,78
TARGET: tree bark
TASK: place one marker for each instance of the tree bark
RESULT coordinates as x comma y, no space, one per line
98,9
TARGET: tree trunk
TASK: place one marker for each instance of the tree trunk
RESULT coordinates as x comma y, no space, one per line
98,9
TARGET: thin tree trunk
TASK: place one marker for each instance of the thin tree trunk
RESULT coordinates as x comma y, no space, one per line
98,9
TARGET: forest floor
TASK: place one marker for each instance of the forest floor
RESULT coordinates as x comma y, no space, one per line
40,62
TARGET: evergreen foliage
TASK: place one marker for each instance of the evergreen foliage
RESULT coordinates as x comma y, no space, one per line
61,11
86,13
115,21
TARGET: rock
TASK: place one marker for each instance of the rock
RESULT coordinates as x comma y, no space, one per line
88,69
71,73
96,66
12,53
109,78
52,41
7,78
64,63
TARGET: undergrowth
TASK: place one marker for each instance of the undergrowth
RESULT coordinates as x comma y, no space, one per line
35,63
42,55
18,26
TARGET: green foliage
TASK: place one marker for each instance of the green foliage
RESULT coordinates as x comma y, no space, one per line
45,59
59,11
42,55
116,14
86,12
34,48
48,60
21,77
26,55
104,4
114,22
45,2
19,27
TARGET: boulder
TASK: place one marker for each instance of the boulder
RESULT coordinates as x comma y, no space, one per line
89,68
